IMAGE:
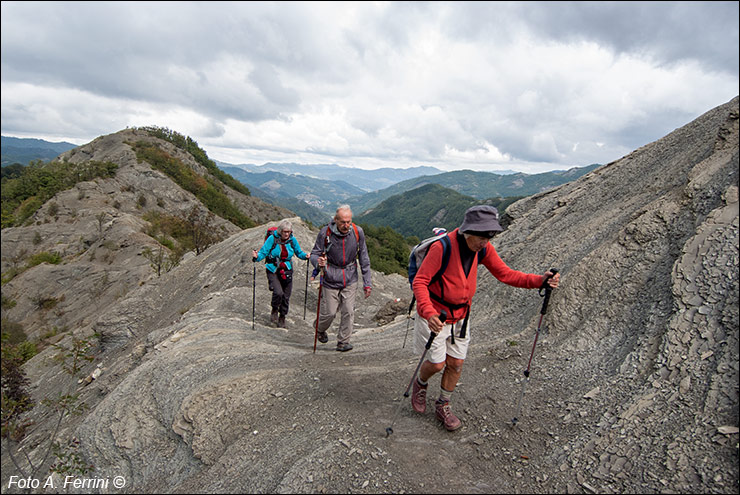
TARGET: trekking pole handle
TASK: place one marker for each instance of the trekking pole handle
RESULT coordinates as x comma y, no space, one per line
547,290
442,318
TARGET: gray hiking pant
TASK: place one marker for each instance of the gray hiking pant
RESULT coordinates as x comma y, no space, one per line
281,290
342,300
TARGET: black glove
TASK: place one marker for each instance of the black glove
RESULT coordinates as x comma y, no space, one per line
254,259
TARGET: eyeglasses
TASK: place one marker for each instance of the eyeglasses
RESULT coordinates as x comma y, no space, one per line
287,231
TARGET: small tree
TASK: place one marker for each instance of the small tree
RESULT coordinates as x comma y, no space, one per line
100,217
159,261
15,397
202,230
16,401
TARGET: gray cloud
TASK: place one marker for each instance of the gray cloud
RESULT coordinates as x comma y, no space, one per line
668,31
533,85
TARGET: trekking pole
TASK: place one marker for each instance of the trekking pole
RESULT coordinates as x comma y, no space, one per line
305,294
408,318
318,308
254,287
546,295
389,430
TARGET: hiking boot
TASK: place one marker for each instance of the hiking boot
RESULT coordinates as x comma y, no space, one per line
444,414
274,316
281,321
342,347
419,397
323,337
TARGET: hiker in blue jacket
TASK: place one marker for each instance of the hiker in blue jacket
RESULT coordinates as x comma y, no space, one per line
278,249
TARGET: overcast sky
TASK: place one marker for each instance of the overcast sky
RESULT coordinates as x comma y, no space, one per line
523,86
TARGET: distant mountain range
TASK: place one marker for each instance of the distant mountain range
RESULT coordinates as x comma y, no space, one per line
26,150
479,185
314,191
310,198
326,186
367,180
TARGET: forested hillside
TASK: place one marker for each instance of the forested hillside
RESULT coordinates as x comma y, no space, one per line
480,185
417,212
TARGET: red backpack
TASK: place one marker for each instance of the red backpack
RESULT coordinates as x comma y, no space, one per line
270,232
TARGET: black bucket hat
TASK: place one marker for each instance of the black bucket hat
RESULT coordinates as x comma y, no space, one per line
481,220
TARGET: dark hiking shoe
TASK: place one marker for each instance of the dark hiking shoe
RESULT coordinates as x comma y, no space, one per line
274,316
419,397
323,337
444,414
281,322
344,347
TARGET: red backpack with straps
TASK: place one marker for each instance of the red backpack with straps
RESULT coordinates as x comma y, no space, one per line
328,233
270,231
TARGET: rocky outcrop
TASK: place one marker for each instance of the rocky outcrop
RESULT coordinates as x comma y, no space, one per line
98,228
647,314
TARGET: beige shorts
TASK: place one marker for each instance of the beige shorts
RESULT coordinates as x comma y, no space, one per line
442,344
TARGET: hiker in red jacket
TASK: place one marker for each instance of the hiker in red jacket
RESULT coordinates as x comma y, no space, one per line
453,294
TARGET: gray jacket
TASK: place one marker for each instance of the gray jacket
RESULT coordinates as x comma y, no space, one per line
341,255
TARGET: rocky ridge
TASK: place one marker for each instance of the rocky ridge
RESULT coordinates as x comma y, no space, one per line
98,229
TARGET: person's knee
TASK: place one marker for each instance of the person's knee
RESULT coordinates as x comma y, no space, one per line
437,367
455,365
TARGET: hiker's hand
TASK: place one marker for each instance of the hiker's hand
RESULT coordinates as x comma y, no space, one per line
554,280
435,325
368,290
254,254
322,261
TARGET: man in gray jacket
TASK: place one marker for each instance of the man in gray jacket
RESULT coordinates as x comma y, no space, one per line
338,247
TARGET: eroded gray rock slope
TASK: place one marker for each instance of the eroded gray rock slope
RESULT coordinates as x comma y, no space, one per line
634,384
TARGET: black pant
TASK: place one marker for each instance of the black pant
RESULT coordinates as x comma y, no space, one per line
281,290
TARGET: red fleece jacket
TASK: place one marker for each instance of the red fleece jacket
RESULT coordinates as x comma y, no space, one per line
458,289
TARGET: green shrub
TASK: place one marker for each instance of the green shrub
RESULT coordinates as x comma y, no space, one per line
12,332
200,156
209,192
44,257
22,196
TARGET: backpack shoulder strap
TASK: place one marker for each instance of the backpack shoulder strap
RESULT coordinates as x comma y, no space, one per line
327,233
357,236
274,240
445,240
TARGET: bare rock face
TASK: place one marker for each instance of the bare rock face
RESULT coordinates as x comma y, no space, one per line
633,386
648,248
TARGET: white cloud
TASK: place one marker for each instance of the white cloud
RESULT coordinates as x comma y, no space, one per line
513,85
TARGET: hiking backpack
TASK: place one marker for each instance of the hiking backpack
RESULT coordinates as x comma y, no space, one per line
327,243
419,252
270,231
